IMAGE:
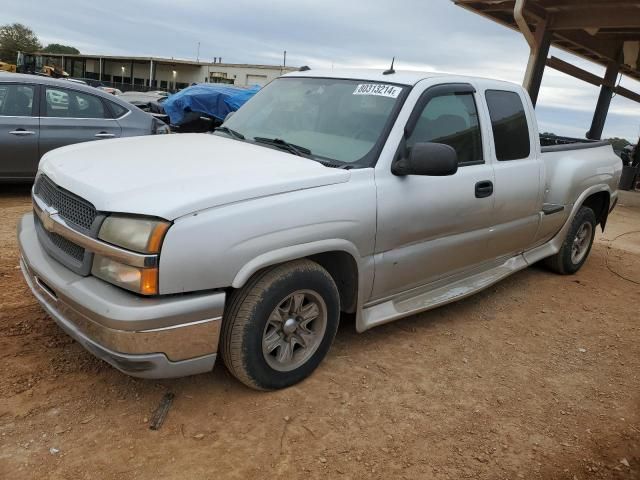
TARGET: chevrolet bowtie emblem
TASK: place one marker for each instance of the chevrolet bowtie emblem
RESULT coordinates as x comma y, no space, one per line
48,218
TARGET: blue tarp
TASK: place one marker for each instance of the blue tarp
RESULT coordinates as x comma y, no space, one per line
215,100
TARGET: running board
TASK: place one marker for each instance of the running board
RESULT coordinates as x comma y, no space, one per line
432,296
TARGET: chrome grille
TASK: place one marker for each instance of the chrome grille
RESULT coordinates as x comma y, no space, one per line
65,246
78,213
71,208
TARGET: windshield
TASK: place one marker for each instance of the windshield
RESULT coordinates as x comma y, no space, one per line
334,119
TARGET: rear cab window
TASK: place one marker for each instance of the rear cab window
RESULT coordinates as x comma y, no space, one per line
509,125
16,100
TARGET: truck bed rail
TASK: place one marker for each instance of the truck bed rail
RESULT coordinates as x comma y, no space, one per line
553,143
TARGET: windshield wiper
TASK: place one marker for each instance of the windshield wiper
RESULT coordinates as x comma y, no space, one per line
289,147
229,132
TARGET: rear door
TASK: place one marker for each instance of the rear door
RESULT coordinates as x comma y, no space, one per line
518,172
71,116
19,130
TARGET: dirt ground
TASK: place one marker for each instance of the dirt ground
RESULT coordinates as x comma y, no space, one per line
536,377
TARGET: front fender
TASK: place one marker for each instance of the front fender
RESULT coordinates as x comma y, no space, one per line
294,252
222,247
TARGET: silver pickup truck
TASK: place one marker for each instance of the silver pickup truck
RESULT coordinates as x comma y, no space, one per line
377,194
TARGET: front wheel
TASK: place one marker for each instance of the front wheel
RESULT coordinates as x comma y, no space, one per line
280,325
577,245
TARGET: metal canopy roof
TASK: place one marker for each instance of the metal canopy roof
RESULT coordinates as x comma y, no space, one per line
604,32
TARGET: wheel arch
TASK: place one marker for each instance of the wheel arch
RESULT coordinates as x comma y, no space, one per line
599,202
343,268
339,257
596,195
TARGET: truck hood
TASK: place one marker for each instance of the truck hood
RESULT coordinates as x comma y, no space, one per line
173,175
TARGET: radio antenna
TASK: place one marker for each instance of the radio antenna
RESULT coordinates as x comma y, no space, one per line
391,70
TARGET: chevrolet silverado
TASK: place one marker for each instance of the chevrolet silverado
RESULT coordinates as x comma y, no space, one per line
371,193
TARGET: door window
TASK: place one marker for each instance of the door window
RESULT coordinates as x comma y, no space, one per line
451,119
71,104
16,100
509,124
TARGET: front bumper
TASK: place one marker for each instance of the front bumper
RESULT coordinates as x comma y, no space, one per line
157,337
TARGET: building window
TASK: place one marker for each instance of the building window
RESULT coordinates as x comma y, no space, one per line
222,80
220,77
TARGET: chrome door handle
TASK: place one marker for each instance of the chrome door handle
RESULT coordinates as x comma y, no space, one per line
104,135
22,133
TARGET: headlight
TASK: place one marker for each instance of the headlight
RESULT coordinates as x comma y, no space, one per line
143,235
138,234
139,280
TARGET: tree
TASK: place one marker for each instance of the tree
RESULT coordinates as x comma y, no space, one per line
17,37
61,49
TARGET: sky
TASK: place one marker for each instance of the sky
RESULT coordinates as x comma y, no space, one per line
433,35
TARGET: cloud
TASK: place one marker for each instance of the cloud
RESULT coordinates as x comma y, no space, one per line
431,35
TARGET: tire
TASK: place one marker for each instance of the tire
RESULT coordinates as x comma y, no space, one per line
567,261
267,340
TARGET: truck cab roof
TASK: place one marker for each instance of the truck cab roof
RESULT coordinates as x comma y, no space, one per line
402,77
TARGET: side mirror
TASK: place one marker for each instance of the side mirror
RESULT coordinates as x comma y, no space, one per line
429,159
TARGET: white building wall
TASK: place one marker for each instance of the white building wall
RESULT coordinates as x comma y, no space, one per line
242,75
140,70
113,68
184,73
246,75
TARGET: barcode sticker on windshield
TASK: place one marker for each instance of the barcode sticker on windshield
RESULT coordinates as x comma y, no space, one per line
378,89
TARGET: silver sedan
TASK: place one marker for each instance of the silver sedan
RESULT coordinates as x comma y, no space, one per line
38,114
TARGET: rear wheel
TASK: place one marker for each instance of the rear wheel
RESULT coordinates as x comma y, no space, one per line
280,325
577,245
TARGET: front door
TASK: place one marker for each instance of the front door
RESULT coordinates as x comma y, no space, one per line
70,116
19,131
433,227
